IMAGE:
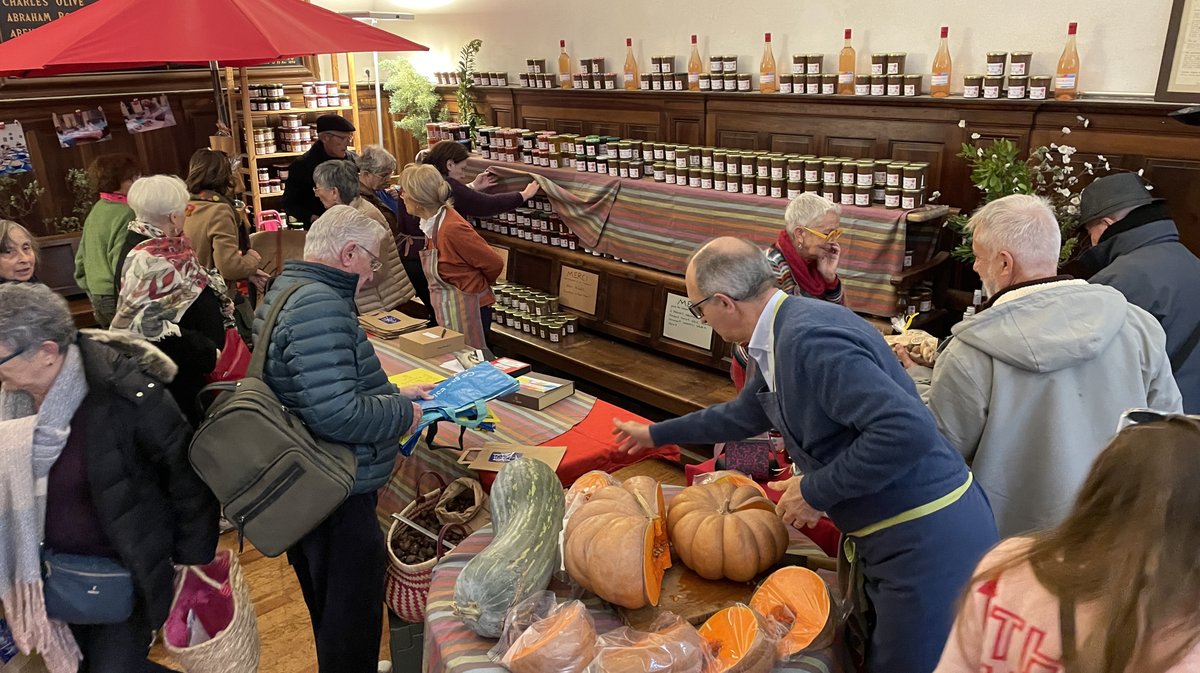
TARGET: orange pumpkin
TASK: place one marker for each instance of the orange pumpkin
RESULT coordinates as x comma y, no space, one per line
796,597
616,544
723,529
564,642
677,648
739,641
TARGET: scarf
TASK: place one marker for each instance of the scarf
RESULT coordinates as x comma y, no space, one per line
804,273
429,226
30,443
161,280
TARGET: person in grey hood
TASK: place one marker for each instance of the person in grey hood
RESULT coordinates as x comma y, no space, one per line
1030,389
1136,249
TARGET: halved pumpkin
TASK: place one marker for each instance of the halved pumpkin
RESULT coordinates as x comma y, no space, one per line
723,530
798,598
617,545
739,641
564,642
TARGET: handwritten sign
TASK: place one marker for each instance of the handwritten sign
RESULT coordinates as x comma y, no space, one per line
577,289
503,252
679,323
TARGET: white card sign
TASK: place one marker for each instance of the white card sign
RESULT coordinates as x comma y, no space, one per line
679,323
577,289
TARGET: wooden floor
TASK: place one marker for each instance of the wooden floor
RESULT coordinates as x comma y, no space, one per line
286,633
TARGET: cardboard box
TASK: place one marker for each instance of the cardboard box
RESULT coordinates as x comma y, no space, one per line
389,324
494,455
539,391
430,343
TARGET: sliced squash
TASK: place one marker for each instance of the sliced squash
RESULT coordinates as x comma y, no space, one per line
617,545
796,597
677,648
563,642
739,640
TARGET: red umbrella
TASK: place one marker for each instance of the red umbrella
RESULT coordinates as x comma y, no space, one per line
126,34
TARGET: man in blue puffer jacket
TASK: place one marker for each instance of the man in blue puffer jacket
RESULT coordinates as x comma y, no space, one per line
322,367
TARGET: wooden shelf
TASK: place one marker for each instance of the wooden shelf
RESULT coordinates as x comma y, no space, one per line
296,110
276,155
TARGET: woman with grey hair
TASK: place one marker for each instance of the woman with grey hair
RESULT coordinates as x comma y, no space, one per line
804,259
18,253
391,286
166,296
93,463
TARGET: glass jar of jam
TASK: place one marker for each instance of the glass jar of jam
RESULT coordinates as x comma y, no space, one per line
972,86
995,63
878,85
991,87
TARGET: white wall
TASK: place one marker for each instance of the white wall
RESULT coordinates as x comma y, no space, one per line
1120,41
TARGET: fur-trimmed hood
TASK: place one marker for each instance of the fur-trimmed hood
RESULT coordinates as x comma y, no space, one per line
146,356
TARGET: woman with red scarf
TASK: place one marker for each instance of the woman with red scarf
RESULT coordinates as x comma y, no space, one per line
804,258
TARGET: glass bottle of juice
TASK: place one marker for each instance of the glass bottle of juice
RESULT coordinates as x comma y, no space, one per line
939,83
846,68
1066,78
694,67
767,82
631,69
564,66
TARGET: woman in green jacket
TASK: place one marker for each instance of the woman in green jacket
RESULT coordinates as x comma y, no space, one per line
104,231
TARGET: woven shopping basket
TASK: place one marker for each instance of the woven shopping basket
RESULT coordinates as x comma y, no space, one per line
407,585
235,648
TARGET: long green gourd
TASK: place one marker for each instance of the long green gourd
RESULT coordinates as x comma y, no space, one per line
527,514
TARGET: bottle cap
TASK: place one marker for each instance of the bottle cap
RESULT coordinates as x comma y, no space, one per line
945,31
1071,28
629,42
847,33
768,37
693,39
563,43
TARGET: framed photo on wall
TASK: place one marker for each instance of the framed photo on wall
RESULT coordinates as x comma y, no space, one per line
1179,73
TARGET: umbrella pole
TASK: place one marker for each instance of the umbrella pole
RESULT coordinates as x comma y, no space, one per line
222,113
378,97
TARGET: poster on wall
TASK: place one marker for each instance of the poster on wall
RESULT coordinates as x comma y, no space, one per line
14,153
679,323
147,114
81,127
1179,71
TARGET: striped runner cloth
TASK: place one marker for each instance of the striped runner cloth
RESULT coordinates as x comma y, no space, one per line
516,426
582,202
450,647
659,226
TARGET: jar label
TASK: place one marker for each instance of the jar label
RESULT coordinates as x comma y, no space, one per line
785,87
693,182
880,178
718,84
908,202
718,166
644,84
991,91
681,162
865,179
777,173
829,176
743,85
893,89
730,66
705,85
812,88
995,69
1016,91
910,89
762,190
910,183
845,78
1037,93
827,89
659,175
1064,82
747,188
795,175
876,68
1016,68
971,91
893,68
731,187
848,179
877,89
763,171
847,198
893,180
706,162
623,172
718,185
581,166
814,69
748,170
706,183
829,196
798,69
940,79
777,192
862,199
670,178
810,175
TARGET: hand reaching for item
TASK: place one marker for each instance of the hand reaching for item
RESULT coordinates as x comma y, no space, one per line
530,189
419,391
902,355
792,507
259,279
632,437
483,182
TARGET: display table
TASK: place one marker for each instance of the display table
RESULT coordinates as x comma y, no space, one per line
450,647
659,226
580,422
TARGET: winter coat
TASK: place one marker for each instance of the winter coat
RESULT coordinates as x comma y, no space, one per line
220,235
390,286
1030,391
102,247
1155,271
152,506
323,368
299,201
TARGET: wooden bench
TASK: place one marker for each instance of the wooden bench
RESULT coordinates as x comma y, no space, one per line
662,382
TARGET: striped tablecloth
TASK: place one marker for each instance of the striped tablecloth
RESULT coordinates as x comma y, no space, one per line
450,647
659,226
516,426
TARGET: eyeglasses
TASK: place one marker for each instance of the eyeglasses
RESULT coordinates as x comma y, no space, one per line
376,263
1141,416
694,309
344,137
14,354
831,237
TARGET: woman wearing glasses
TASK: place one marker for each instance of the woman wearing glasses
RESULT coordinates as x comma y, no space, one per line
1114,587
804,259
340,183
458,263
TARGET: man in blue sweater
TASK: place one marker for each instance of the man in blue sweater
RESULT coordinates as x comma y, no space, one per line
867,450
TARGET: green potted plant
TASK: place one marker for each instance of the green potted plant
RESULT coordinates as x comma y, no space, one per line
411,95
467,114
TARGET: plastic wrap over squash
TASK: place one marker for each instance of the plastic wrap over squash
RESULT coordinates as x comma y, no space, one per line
740,640
670,646
731,476
541,636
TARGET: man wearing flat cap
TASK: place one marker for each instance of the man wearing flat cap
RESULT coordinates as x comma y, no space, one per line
1136,249
334,135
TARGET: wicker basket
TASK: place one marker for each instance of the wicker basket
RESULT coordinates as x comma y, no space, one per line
234,649
407,585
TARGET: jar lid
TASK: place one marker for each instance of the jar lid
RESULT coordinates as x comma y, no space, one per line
1022,54
997,54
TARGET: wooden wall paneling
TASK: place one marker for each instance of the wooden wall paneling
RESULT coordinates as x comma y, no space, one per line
538,124
736,140
929,152
643,132
685,130
632,317
791,143
858,148
567,126
533,271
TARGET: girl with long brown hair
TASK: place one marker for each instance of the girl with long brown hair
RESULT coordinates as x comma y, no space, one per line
1115,588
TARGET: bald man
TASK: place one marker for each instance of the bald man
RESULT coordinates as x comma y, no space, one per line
869,451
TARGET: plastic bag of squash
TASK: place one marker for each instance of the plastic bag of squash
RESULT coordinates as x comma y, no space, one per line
541,636
670,646
799,601
741,640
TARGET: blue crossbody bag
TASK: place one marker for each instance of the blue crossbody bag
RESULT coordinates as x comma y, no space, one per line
86,589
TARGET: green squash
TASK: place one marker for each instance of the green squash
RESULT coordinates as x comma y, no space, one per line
527,513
